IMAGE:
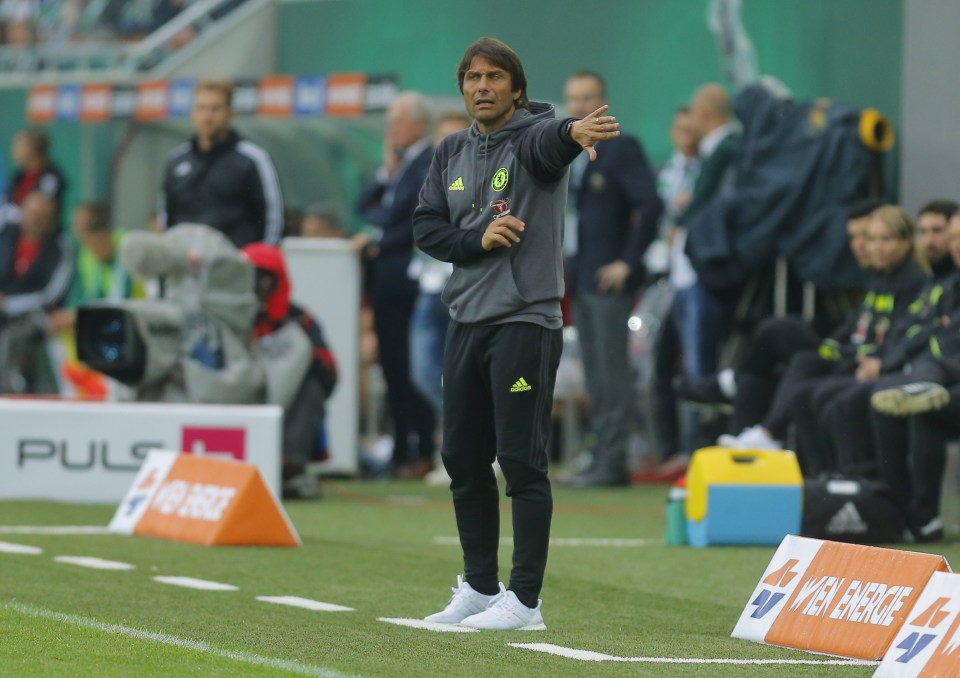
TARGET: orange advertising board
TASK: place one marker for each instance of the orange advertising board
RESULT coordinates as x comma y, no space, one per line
346,94
42,103
95,102
203,500
152,100
276,96
840,599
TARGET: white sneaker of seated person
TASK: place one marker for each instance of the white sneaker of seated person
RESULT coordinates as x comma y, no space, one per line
464,602
507,613
752,438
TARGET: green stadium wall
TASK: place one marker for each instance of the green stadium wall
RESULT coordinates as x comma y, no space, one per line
653,54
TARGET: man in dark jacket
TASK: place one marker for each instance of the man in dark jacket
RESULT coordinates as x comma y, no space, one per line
697,317
220,179
697,314
616,209
388,204
36,269
913,421
35,171
493,206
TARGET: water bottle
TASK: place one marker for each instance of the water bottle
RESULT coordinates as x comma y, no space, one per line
676,517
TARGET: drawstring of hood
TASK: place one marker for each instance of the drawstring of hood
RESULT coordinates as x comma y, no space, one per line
478,194
486,144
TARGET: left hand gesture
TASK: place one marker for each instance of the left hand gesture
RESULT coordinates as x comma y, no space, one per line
593,128
364,247
869,369
613,277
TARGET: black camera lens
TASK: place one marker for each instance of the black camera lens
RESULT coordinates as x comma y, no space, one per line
109,339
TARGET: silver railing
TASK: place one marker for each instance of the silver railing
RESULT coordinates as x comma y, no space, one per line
105,56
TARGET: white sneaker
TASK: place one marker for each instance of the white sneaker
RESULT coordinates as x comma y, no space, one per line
507,613
464,602
752,438
437,476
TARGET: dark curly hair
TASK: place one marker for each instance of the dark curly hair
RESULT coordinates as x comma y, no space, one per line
500,55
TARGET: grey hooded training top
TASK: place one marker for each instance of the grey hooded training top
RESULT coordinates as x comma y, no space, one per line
518,169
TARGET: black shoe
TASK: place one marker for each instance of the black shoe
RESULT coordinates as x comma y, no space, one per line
699,389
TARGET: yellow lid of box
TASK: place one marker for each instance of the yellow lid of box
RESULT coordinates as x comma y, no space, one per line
727,466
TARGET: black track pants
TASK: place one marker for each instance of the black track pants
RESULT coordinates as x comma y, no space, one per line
497,396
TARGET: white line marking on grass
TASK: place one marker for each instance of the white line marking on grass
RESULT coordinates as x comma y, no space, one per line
94,563
54,529
427,626
305,603
588,656
20,549
184,643
199,584
563,541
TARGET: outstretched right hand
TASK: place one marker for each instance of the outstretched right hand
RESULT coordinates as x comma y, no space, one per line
502,232
593,129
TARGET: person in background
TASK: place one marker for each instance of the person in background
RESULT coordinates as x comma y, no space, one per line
322,220
617,210
20,35
99,276
843,414
913,421
751,384
99,273
36,269
698,317
388,204
292,216
304,435
220,179
428,326
3,181
675,183
898,278
34,170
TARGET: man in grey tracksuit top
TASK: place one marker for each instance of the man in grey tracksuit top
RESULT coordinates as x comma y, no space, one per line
493,205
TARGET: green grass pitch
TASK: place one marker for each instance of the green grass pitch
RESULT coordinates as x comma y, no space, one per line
374,547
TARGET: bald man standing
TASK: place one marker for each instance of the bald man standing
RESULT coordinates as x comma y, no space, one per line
387,204
697,317
710,108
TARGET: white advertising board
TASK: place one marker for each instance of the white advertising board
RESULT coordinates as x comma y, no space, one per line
91,452
325,276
